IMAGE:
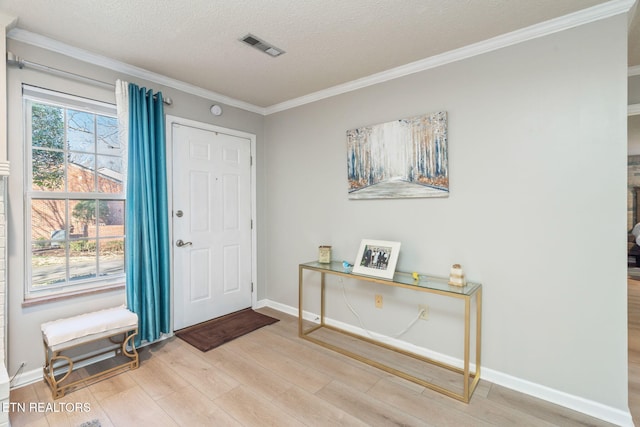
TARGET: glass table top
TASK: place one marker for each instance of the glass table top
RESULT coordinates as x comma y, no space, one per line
424,280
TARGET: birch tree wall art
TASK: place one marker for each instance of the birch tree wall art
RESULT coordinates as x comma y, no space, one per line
404,158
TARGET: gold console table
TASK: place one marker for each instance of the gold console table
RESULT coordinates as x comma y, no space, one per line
428,284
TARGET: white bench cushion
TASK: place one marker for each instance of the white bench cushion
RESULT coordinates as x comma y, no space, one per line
88,325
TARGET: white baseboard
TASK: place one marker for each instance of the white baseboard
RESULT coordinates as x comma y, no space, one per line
27,377
576,403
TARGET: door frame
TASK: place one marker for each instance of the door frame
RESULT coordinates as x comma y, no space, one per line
169,122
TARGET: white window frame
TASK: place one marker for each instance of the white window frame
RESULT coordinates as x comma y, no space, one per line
30,95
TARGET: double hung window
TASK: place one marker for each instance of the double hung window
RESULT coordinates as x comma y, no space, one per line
74,193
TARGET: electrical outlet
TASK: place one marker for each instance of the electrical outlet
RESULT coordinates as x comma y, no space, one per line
378,301
424,311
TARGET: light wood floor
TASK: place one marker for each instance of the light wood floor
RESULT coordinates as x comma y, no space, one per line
272,378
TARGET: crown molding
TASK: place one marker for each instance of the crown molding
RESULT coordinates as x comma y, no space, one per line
586,16
43,42
634,71
592,14
633,110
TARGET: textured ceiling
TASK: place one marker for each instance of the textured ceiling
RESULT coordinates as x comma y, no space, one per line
327,42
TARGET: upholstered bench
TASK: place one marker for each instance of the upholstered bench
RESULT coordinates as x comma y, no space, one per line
67,335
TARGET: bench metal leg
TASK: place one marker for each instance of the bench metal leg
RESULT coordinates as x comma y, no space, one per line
59,387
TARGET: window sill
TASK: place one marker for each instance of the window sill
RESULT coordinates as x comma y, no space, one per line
29,302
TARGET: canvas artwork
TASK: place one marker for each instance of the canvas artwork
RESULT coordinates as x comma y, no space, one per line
404,158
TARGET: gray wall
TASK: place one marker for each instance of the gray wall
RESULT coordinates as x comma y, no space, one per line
25,344
537,161
634,90
633,135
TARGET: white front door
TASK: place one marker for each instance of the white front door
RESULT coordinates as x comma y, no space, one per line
211,224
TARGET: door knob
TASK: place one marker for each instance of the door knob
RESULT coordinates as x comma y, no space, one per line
180,243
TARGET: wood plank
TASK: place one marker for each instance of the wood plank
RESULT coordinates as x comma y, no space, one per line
195,369
328,362
112,386
156,377
480,411
259,380
287,368
422,406
190,407
367,408
86,409
252,409
134,407
19,417
547,411
312,411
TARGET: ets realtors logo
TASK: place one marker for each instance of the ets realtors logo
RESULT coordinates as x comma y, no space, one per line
46,407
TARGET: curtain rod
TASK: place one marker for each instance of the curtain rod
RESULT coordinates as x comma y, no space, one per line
21,63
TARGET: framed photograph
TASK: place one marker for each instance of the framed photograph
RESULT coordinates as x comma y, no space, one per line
377,258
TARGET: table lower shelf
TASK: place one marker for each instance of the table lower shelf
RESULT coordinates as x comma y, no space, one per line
427,372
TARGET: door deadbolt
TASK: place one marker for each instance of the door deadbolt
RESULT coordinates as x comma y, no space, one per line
179,214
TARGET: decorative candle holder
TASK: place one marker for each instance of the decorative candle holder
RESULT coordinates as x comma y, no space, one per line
324,254
456,277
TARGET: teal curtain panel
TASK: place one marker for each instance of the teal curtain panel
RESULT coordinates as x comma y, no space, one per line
147,222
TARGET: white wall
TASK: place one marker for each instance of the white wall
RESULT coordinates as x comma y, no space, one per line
537,161
25,342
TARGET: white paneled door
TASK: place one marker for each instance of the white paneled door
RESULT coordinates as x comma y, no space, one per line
211,224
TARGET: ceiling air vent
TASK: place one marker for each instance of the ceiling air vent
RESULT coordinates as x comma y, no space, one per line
265,47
